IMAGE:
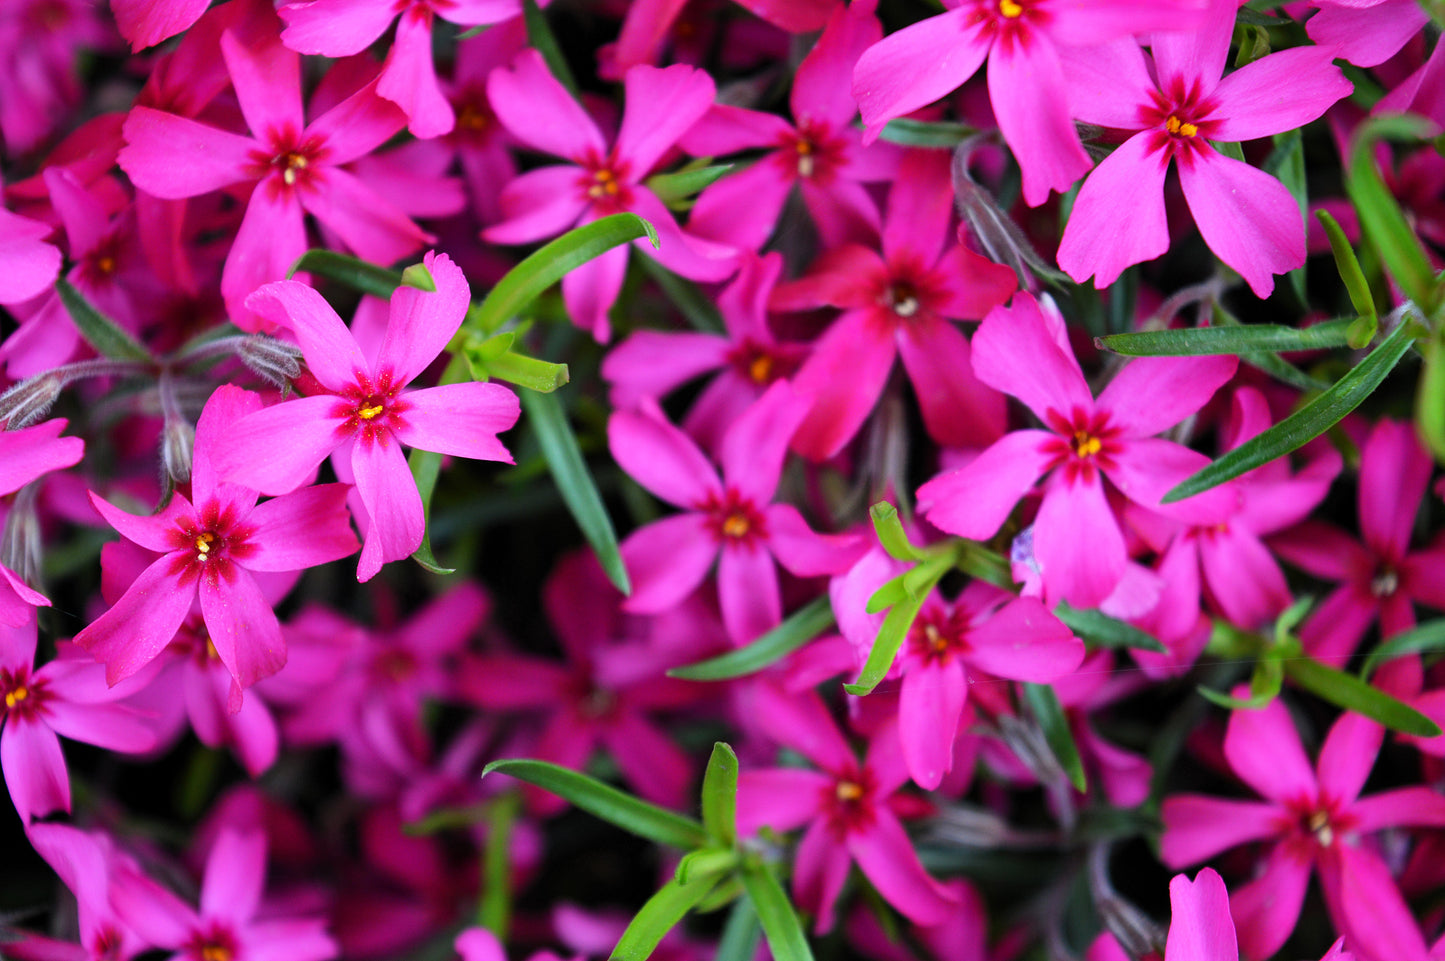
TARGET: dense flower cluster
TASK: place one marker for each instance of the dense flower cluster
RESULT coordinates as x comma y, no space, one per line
982,675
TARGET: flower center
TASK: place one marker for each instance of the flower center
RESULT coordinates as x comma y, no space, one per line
736,525
1010,9
1319,826
1180,128
292,164
1086,444
804,147
473,118
849,791
902,299
604,185
15,696
731,518
761,369
1385,583
204,540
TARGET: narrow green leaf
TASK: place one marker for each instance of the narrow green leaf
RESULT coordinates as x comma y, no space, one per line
1307,423
1044,705
1287,163
1349,692
419,277
805,624
978,561
355,273
574,482
606,802
1253,44
1230,149
1427,638
780,922
699,309
1355,284
1430,396
1104,631
720,794
926,133
740,934
891,533
706,862
99,331
426,467
494,910
529,372
1380,215
885,646
887,595
1264,687
1199,341
539,35
524,282
687,182
658,916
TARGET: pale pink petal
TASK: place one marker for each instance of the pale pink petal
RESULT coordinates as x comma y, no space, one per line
278,449
1200,927
459,419
421,322
539,111
780,798
1279,92
1118,217
805,552
1394,471
129,635
661,105
1026,86
1024,642
754,447
821,85
975,500
660,457
916,65
590,290
1268,907
1109,83
1366,34
409,79
958,410
842,380
267,80
539,203
235,876
1347,757
1248,218
1152,394
1416,806
747,585
213,158
145,23
373,227
393,504
34,769
886,858
242,625
659,770
302,529
1197,827
357,125
332,354
1015,352
1263,749
1078,543
929,706
667,560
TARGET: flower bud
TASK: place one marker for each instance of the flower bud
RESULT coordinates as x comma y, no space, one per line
29,400
178,441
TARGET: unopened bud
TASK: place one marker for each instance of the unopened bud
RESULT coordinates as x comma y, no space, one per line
968,827
270,358
178,442
20,545
1138,934
29,400
989,224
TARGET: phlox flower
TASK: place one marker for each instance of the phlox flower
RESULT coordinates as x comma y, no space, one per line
850,809
28,264
1365,32
368,413
730,520
1179,106
1024,351
1315,818
601,179
213,545
85,861
648,22
145,23
1023,41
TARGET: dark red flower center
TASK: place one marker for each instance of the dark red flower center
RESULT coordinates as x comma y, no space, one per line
938,637
23,694
213,540
605,184
1085,442
217,944
287,162
372,408
732,517
1179,119
850,806
813,151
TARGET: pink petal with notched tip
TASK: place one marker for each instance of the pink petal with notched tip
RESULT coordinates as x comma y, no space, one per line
841,382
1281,91
114,727
1367,906
742,208
930,703
1196,55
129,635
1146,469
660,457
755,446
32,452
460,419
694,257
212,158
1249,219
539,203
1025,84
267,80
1417,806
1263,749
271,236
537,110
278,449
821,85
747,584
920,210
422,322
1197,827
242,625
332,354
1365,34
387,488
662,103
975,500
667,560
958,410
1078,542
1118,217
804,552
1109,83
235,876
1347,757
820,868
1084,22
357,125
334,28
1394,472
1200,928
1244,578
916,65
1152,394
409,79
1015,352
34,769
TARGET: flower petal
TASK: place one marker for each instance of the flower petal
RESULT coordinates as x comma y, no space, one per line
1197,827
459,419
1279,92
1014,351
302,529
915,66
976,499
393,504
332,354
278,449
1152,394
1248,218
886,857
930,704
1024,642
661,103
1078,542
539,112
242,625
1268,907
34,769
667,560
1200,927
213,158
747,586
660,457
1263,749
129,635
1026,86
235,875
1118,217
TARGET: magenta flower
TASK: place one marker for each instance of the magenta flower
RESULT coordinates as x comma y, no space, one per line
1200,926
1023,41
601,179
28,265
730,520
369,414
213,545
85,861
296,167
1365,32
145,23
1078,545
847,807
899,303
1179,106
1315,818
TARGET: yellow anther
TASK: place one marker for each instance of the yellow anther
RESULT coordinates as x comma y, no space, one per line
1086,444
14,697
471,118
1176,126
211,651
1319,825
736,525
605,186
761,369
937,643
215,952
1010,8
203,542
105,264
849,791
367,413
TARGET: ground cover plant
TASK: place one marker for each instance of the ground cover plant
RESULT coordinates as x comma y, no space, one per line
701,479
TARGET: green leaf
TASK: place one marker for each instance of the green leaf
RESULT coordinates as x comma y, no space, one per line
1104,631
1426,638
1355,284
99,331
687,182
706,862
1264,687
805,624
1380,215
926,133
1352,694
1307,423
419,277
740,935
1430,396
720,794
606,802
355,273
574,482
1253,44
780,922
1044,705
426,467
1200,341
698,308
529,372
885,646
539,35
891,533
658,916
494,910
524,282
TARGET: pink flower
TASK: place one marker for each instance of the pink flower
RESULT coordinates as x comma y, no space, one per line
730,520
213,545
1023,351
1179,105
85,861
1200,928
601,179
1365,32
25,456
368,413
145,23
28,265
1023,41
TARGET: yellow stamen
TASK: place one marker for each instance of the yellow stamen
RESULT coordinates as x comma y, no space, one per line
105,265
211,651
1319,825
1176,126
849,791
367,413
1011,9
14,697
215,952
937,643
805,158
761,368
736,525
471,118
606,185
1086,444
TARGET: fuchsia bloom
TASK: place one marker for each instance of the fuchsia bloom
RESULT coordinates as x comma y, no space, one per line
1315,818
1365,32
1079,547
895,304
212,546
850,810
368,415
1380,577
28,265
145,23
729,520
1179,106
296,167
85,861
341,28
1024,41
601,179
